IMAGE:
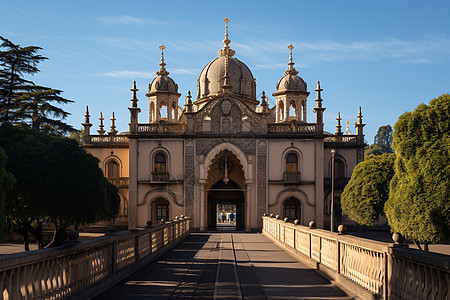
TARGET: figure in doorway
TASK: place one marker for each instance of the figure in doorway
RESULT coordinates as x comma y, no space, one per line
224,218
231,218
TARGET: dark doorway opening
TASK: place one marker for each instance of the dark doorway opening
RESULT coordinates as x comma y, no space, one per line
226,195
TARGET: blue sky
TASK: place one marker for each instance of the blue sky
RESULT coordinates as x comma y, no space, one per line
386,56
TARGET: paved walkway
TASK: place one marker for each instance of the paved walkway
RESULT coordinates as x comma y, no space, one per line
225,266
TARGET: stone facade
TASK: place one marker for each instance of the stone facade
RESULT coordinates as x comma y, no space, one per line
226,147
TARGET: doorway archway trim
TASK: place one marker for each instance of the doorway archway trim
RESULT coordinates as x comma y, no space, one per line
215,151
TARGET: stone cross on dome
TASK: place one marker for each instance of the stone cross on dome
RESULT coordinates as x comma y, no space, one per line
226,50
162,71
291,70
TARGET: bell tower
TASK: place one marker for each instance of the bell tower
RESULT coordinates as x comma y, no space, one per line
291,93
163,95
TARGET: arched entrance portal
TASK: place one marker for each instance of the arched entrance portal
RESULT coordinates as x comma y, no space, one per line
226,194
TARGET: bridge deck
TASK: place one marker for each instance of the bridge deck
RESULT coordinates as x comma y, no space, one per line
225,266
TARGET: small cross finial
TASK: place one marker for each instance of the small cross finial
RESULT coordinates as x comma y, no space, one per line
291,64
162,70
226,50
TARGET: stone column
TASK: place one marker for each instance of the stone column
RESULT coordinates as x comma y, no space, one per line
133,185
249,207
203,205
319,196
261,178
189,177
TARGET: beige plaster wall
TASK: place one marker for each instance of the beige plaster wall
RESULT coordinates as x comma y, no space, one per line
103,154
148,192
276,158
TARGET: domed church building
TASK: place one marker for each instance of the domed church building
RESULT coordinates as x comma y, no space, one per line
226,147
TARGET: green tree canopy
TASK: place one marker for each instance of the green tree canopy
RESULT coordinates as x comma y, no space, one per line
383,138
57,181
382,142
368,189
15,62
7,181
35,106
418,205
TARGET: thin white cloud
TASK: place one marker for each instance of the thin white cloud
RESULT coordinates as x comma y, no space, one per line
128,20
126,74
139,74
185,71
430,50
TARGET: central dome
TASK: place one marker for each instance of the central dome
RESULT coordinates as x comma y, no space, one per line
212,78
226,74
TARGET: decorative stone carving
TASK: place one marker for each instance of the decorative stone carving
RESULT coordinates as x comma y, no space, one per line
261,179
226,107
246,145
189,177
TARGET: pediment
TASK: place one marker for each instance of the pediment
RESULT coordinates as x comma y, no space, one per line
228,115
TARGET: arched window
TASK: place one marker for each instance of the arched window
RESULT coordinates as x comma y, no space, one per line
160,163
163,111
292,163
281,111
292,209
339,168
112,169
292,110
174,114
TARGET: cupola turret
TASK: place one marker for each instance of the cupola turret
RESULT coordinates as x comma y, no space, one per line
291,93
163,95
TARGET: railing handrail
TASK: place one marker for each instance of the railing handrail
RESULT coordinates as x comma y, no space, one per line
107,259
365,266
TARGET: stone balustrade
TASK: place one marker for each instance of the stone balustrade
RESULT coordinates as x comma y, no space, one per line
82,269
366,268
291,128
108,139
152,128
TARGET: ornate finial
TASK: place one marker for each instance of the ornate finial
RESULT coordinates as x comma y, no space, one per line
101,130
226,50
360,116
338,126
86,115
134,99
188,102
113,130
264,104
290,47
291,70
162,71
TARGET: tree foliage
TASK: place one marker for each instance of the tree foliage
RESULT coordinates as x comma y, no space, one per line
15,62
382,142
36,107
23,101
6,182
418,205
57,182
368,189
383,138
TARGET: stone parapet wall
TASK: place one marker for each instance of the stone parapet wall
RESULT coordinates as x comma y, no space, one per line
83,269
362,267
